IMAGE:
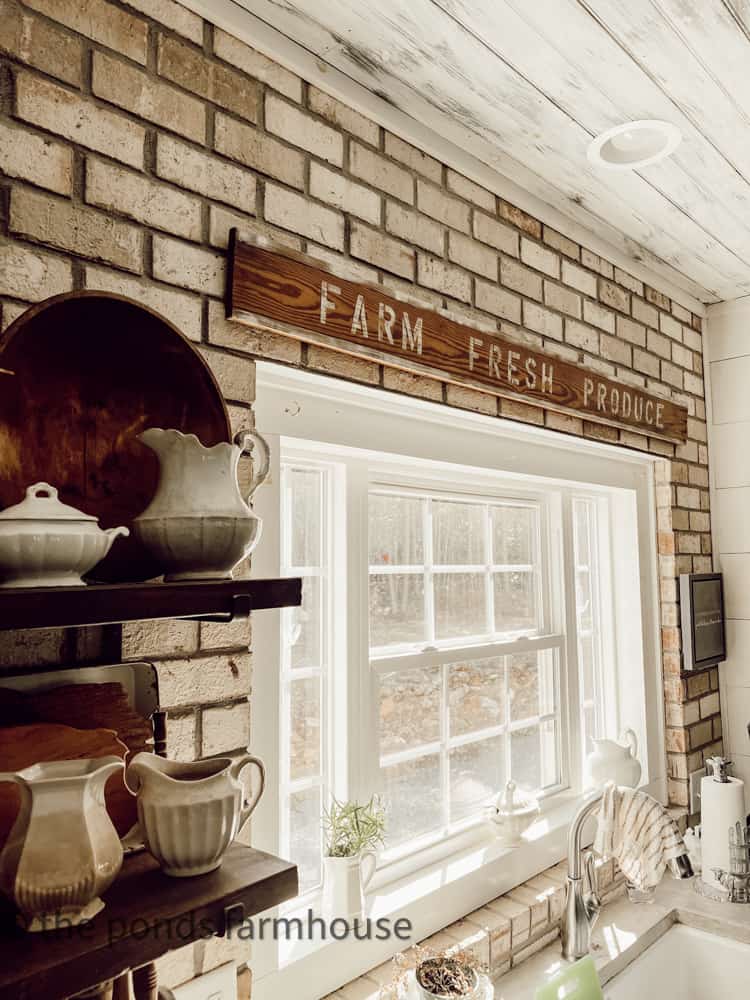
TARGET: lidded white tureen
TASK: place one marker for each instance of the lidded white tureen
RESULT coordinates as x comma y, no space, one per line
46,543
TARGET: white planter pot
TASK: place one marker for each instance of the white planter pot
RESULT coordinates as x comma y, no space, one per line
344,883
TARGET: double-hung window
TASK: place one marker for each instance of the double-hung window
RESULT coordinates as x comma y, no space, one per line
477,608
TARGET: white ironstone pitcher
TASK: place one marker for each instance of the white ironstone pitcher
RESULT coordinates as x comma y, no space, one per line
198,526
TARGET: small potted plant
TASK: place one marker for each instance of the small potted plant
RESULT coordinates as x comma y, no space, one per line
448,977
353,832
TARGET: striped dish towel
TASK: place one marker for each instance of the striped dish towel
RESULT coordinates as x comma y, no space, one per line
635,830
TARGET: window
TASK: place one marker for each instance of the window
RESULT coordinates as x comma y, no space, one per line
479,604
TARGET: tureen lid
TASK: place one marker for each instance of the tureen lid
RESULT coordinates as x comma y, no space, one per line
514,802
42,504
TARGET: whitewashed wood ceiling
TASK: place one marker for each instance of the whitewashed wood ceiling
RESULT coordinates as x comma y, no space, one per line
525,84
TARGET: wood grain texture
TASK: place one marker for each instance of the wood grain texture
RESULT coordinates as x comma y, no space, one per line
523,87
91,371
139,923
296,295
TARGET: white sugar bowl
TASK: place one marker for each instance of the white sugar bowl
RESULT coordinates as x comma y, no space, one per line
46,543
513,814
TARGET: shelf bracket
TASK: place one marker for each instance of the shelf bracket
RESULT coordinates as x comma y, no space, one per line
232,918
241,608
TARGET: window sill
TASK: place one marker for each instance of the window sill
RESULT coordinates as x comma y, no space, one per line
431,899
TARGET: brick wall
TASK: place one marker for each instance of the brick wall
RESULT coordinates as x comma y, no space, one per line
133,136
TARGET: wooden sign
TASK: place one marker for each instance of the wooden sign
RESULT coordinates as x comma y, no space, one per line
287,292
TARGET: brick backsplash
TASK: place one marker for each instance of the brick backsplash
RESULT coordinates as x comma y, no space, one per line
134,136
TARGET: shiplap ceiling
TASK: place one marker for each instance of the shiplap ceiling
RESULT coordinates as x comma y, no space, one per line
524,85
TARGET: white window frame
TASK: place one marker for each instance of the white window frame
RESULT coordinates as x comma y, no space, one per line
465,874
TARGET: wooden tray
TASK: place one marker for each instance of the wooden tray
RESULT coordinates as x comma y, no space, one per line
91,370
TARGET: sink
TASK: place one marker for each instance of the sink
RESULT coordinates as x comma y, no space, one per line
685,964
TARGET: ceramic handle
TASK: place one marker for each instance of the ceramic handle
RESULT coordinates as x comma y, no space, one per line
371,858
236,769
256,445
42,490
632,740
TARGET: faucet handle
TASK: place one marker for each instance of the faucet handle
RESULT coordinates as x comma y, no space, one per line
592,900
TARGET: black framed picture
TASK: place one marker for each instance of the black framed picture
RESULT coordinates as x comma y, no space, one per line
702,614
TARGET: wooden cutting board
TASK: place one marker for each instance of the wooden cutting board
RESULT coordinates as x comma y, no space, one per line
22,746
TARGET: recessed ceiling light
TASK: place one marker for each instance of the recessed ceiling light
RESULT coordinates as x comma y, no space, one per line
634,145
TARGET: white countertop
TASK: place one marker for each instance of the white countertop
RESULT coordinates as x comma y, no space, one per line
624,931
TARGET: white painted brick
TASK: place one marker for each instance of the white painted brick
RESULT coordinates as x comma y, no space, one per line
255,64
445,208
36,158
262,152
634,333
224,635
341,192
559,242
580,335
496,233
142,640
464,188
187,166
343,116
599,316
343,365
11,311
203,679
631,283
418,229
188,266
413,385
295,212
76,118
100,21
31,647
381,173
181,308
521,279
174,16
468,253
346,267
540,258
542,320
645,313
123,84
239,337
471,399
562,299
31,274
443,277
670,327
578,278
70,227
221,221
376,248
498,301
300,129
225,729
413,158
213,81
118,190
236,376
40,43
181,737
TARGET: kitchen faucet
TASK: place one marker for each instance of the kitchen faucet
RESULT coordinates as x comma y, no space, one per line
582,904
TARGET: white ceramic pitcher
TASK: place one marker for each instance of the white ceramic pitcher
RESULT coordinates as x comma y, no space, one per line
191,812
344,883
63,850
198,526
610,761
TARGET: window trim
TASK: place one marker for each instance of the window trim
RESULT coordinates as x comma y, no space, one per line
376,421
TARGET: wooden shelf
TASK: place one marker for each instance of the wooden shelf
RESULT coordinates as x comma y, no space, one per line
103,604
146,915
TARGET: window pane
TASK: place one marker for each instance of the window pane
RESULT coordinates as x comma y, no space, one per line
460,607
586,658
304,629
304,708
581,532
512,535
477,773
395,530
305,489
396,609
413,798
409,708
458,534
476,695
583,599
305,848
534,756
523,685
515,602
